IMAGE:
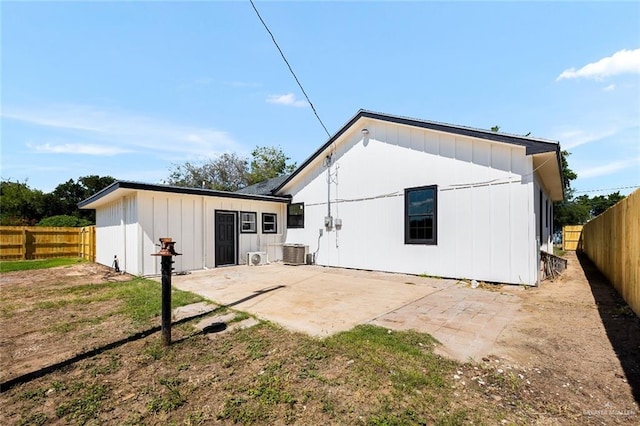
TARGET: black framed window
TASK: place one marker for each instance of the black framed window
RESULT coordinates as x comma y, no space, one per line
420,215
269,223
248,222
547,213
295,215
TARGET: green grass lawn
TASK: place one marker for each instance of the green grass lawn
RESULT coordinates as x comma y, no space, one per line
26,265
142,300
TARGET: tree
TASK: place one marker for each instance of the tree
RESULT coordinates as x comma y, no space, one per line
65,197
21,205
567,211
228,172
94,183
599,204
568,175
64,220
267,163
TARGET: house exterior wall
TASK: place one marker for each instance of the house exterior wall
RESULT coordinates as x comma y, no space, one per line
131,227
544,217
486,226
117,233
259,241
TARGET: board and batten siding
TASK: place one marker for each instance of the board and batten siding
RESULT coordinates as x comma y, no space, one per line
485,200
117,234
130,228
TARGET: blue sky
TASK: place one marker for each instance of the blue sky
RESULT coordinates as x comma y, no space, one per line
127,89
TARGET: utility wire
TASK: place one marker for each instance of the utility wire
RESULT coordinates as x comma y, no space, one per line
607,189
290,69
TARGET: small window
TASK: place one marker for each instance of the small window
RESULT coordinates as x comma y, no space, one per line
421,208
248,222
269,223
295,215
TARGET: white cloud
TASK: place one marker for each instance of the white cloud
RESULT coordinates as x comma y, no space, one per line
572,138
287,99
76,148
622,62
607,169
120,132
609,88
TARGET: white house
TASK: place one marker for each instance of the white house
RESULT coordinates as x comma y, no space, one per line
384,193
211,228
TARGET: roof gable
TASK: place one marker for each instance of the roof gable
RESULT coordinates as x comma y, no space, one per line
532,146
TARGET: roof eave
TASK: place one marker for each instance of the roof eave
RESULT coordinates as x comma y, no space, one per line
549,170
93,201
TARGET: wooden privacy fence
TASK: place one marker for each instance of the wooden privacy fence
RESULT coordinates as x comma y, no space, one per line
42,242
571,237
612,242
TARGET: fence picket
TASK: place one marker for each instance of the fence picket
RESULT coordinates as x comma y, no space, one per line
42,242
612,242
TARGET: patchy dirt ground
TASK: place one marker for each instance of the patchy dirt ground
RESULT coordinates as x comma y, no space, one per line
38,331
578,345
570,358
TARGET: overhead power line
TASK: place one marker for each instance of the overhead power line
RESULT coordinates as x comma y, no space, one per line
607,189
289,66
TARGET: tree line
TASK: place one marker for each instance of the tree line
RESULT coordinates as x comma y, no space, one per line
22,205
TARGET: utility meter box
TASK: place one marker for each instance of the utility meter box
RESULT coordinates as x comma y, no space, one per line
338,224
328,223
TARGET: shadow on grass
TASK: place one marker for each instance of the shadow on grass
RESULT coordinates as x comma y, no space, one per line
27,377
620,322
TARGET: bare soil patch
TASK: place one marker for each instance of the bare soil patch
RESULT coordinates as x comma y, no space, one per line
577,345
570,358
40,323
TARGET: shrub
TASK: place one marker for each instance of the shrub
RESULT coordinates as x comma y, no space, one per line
64,220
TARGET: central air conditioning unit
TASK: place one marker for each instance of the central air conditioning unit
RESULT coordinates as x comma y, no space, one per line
256,258
294,254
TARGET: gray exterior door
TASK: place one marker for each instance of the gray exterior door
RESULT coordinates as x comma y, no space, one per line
225,239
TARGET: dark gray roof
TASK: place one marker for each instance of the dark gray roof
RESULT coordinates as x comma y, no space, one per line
178,190
263,188
532,145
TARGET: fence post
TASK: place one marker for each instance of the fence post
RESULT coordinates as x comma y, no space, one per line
24,244
81,232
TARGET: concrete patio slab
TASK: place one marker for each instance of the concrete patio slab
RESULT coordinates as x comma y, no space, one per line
192,310
466,321
321,301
